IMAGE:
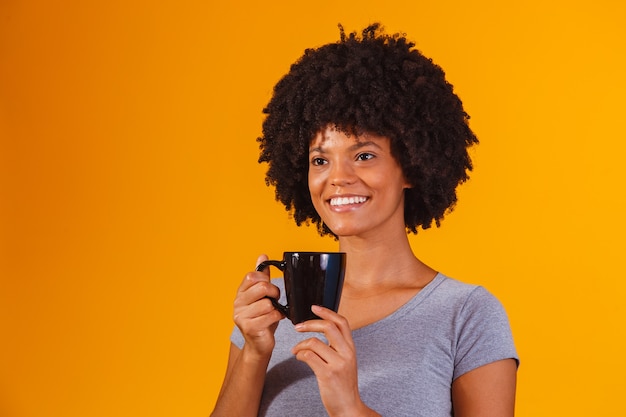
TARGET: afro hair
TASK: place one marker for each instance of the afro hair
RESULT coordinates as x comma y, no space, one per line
375,83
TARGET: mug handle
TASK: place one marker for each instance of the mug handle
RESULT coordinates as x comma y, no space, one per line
280,265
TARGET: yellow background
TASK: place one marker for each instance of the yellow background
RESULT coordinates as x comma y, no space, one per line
131,204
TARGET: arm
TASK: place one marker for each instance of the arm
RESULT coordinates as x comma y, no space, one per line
485,337
245,374
487,391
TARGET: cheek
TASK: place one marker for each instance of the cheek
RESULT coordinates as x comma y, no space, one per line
395,179
384,181
315,185
314,188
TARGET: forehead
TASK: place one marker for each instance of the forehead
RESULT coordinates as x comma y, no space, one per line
335,135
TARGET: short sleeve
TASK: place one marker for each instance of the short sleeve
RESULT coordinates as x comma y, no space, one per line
483,333
237,338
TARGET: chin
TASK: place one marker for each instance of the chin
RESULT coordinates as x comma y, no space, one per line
343,231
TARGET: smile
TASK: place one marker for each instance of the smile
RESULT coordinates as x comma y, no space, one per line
344,201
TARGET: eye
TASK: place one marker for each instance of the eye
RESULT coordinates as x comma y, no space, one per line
318,161
365,156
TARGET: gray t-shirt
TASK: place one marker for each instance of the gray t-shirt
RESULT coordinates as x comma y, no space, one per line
407,361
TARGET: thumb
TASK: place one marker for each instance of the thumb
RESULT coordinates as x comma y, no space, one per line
260,259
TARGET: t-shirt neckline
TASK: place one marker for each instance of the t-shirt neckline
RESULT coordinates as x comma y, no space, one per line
403,309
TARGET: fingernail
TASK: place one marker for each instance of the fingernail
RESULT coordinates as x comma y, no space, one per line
299,326
316,309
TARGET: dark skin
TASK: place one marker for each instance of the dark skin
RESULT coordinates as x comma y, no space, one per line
377,83
373,224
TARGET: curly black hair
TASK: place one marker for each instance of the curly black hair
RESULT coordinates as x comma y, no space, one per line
375,83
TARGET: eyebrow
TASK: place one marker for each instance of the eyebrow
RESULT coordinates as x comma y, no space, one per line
354,147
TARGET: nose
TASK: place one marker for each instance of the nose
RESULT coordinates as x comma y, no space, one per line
342,174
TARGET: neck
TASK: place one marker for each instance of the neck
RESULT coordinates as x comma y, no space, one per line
375,264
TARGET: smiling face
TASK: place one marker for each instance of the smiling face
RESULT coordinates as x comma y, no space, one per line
356,185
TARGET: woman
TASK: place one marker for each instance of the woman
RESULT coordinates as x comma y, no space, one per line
366,139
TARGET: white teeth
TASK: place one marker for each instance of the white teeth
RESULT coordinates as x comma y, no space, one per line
341,201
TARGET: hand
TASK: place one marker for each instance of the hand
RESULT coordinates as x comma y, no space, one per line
334,364
254,314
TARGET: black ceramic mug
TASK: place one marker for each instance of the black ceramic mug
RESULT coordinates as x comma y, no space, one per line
311,278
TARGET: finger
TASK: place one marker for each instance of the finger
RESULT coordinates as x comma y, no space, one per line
257,308
257,315
263,258
262,323
334,326
335,342
336,339
340,321
255,276
256,286
251,279
314,346
313,358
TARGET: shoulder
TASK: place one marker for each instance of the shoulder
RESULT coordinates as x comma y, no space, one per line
481,325
461,297
453,307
